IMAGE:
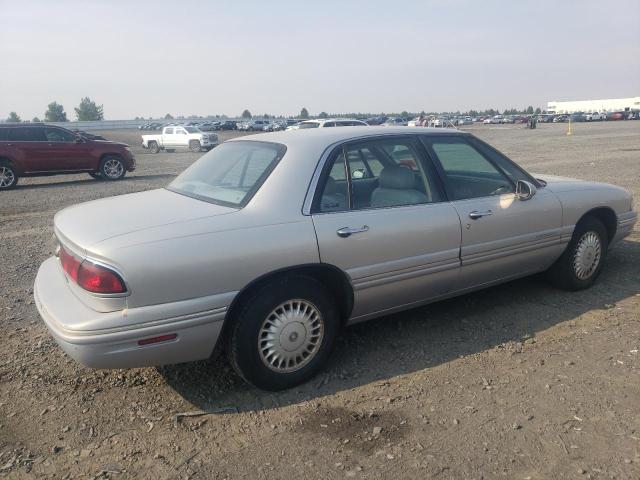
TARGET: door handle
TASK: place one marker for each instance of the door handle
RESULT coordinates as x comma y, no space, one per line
345,232
475,215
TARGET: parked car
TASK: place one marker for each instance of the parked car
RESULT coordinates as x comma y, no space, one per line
253,125
496,119
464,121
328,122
616,116
395,122
281,239
180,137
228,125
36,149
578,117
560,118
209,126
376,120
545,118
594,117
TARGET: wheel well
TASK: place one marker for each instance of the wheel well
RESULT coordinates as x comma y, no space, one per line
607,217
7,161
333,279
105,155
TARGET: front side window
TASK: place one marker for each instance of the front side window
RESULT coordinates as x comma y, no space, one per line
58,135
229,174
180,131
378,174
513,171
192,129
27,134
467,172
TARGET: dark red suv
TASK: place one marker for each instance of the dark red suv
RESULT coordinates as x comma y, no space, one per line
35,149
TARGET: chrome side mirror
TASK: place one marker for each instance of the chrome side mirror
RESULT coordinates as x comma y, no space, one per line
525,190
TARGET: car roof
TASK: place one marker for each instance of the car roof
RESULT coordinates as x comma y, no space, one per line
323,137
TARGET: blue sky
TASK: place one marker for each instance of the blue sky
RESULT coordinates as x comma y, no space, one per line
206,57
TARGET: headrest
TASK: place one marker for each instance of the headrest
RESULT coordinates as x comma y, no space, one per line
397,177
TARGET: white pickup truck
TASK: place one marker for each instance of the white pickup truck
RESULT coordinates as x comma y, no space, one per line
595,116
180,137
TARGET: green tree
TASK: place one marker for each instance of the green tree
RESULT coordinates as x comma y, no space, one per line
36,120
404,114
14,118
55,113
323,115
246,114
168,116
88,110
529,109
304,113
266,115
538,111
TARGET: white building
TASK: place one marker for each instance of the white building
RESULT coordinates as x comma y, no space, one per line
588,106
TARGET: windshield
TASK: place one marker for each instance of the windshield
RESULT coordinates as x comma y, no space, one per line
192,129
309,125
229,174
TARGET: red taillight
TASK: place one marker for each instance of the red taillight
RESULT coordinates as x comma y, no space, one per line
70,264
93,278
99,279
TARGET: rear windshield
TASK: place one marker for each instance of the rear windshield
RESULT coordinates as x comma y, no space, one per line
230,174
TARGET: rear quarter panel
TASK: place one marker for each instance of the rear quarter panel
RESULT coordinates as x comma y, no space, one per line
206,260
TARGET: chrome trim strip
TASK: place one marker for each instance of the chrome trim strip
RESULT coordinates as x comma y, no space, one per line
414,272
512,250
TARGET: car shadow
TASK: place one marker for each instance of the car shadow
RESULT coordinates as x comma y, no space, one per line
66,183
421,338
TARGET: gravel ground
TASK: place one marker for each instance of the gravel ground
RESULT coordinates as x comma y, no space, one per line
520,381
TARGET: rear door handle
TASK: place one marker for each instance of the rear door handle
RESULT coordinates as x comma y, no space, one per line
345,232
475,215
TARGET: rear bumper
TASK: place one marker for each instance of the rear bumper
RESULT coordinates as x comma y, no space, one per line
196,333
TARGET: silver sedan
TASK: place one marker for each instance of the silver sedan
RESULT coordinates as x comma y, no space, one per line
268,245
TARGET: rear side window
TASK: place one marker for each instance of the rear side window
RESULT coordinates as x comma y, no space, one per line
168,131
27,134
4,134
58,135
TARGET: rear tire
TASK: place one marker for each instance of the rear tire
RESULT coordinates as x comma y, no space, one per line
112,168
8,176
194,146
153,147
284,333
582,261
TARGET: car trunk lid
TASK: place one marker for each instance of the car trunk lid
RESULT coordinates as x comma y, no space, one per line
87,224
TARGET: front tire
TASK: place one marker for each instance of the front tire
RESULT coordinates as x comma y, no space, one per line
582,261
8,176
112,168
284,333
153,147
194,146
